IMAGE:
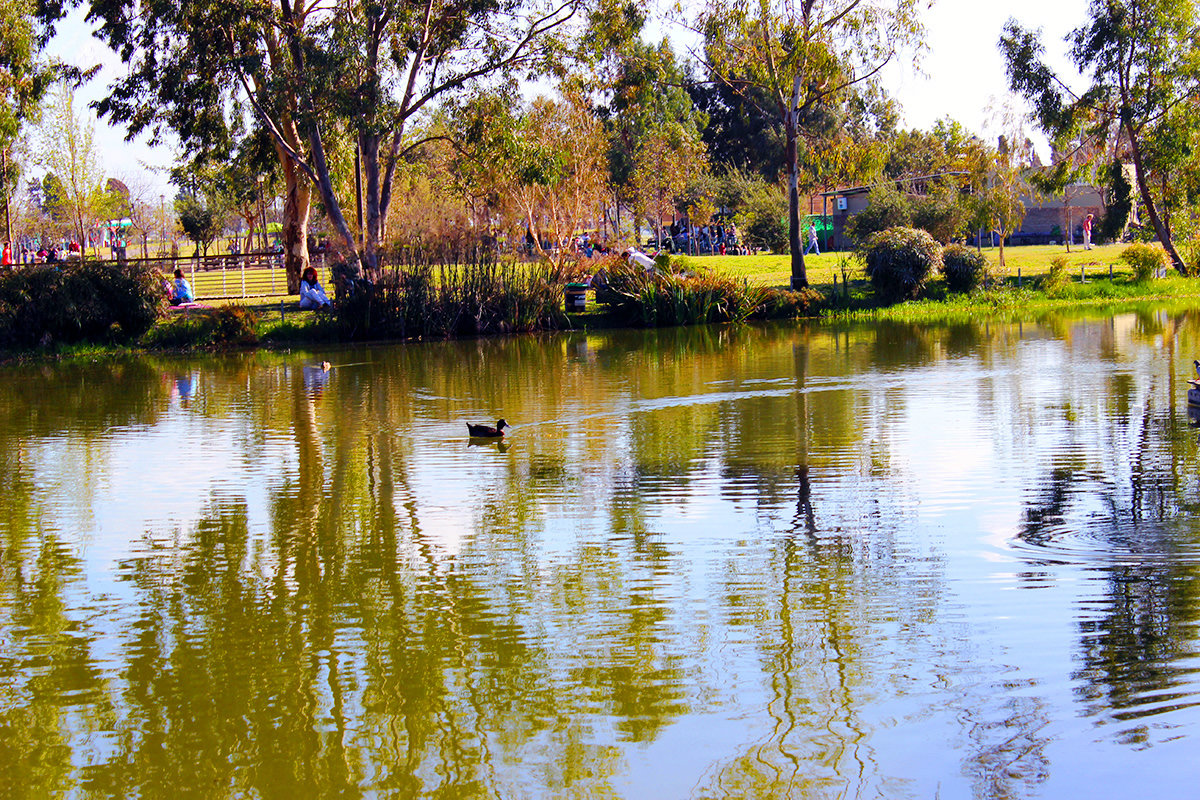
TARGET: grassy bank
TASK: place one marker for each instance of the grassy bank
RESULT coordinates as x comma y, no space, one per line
727,288
1016,289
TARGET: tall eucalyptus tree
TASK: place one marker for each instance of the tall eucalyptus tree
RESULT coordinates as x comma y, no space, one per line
304,70
1143,60
802,57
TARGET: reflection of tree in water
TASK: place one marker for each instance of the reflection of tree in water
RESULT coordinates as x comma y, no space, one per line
83,398
1045,515
52,690
1123,511
1009,761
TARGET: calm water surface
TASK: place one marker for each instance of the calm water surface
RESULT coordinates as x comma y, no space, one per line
811,562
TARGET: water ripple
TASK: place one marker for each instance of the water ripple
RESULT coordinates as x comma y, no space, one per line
1107,542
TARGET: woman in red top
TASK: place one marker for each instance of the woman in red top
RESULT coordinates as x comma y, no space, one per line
6,259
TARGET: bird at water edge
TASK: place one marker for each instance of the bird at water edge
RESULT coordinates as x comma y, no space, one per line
487,431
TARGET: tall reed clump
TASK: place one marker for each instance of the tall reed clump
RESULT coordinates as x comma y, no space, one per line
77,302
661,298
478,297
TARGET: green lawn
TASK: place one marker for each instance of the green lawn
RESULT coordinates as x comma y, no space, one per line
1031,261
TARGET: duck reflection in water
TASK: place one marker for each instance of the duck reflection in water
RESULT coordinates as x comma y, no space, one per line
316,377
500,445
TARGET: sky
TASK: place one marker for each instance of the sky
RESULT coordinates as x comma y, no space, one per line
961,75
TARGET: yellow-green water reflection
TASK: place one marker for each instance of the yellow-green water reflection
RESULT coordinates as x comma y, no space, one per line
877,561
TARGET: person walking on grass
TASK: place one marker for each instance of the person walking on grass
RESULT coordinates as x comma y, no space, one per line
1087,232
812,240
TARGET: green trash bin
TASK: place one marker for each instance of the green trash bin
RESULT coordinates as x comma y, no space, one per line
575,295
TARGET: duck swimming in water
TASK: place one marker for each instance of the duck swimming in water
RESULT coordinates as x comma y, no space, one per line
487,431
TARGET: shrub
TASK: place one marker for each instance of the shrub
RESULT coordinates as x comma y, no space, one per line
77,302
1144,259
1190,253
965,269
943,213
789,303
227,326
1057,276
900,260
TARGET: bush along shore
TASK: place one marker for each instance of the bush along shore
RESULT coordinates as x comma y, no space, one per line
900,274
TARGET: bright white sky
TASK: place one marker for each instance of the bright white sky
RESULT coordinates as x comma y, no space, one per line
963,73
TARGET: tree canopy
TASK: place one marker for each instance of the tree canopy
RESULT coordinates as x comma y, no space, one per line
803,61
1142,58
304,70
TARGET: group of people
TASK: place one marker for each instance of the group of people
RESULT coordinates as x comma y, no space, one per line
312,294
29,250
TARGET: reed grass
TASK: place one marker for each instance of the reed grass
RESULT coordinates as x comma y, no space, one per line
466,298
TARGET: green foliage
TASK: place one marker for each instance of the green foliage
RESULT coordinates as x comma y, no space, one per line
1120,204
81,302
226,326
1143,61
1190,250
886,208
790,303
471,299
760,217
200,217
942,213
965,269
900,260
680,298
1144,259
24,74
1057,277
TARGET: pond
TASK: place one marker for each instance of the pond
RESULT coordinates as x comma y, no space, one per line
814,561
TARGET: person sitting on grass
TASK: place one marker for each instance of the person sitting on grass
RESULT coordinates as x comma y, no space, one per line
183,290
312,296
